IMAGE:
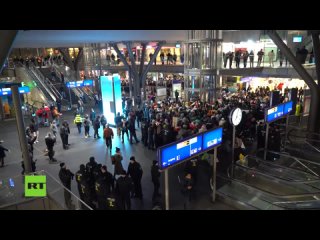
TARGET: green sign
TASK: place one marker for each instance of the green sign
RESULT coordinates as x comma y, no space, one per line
35,186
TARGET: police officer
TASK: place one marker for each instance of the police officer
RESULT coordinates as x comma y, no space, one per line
81,176
135,172
90,166
66,176
155,176
109,179
78,122
101,191
124,187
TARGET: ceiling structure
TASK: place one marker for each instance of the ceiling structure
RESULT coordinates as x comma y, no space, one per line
73,38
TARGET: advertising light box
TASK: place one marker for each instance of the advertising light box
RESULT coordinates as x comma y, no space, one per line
288,106
274,113
212,139
177,152
71,84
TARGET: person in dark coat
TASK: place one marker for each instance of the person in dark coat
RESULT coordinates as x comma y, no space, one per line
2,153
90,167
96,126
50,141
109,179
187,189
135,172
132,130
82,179
124,187
66,176
101,191
155,176
116,160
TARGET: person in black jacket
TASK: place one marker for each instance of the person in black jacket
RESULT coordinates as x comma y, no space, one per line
2,153
81,176
96,126
155,176
90,167
50,141
66,176
123,189
101,191
135,172
109,179
132,130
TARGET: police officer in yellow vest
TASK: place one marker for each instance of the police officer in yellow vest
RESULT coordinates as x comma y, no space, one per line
78,122
298,111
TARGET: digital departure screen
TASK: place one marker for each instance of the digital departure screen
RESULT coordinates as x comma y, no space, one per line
87,83
274,113
212,138
7,91
179,151
71,84
288,106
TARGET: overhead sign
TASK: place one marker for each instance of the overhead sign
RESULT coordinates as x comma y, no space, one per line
279,111
288,106
274,113
81,83
212,139
187,148
7,91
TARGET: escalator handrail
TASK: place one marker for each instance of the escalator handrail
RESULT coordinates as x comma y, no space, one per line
297,160
52,87
282,179
31,70
270,194
279,165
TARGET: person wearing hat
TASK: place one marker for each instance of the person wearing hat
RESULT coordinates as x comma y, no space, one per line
2,153
155,176
135,172
66,176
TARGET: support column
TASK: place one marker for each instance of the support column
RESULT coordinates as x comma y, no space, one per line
21,128
314,115
316,52
1,109
6,39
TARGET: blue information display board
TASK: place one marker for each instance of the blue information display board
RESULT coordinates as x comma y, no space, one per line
274,113
87,83
180,151
279,111
84,83
288,106
212,138
7,91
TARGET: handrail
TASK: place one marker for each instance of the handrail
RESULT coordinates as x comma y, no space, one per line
53,88
278,165
298,160
270,193
66,189
31,69
315,148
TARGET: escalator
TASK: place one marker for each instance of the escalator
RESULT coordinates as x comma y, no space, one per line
70,75
40,83
260,184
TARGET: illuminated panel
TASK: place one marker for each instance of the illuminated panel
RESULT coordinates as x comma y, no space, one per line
274,113
288,107
212,139
87,83
107,97
177,152
117,93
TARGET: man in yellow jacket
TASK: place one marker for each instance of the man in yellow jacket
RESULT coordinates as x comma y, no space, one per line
78,122
298,111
